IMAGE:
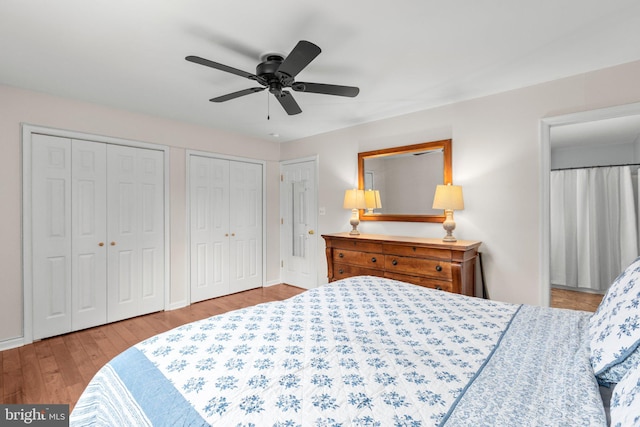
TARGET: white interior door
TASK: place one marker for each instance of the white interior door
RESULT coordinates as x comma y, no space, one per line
51,234
298,236
94,241
89,231
245,225
225,198
135,212
209,229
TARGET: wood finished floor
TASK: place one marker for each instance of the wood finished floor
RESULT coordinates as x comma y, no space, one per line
585,301
57,369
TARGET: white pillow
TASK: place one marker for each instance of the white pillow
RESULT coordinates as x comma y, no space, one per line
625,400
614,329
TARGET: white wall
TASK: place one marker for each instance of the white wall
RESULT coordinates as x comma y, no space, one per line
17,106
496,158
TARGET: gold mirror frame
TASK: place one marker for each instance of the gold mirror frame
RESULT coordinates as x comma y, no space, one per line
444,145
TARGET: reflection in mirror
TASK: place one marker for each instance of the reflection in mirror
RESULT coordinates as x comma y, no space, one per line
299,226
406,178
393,175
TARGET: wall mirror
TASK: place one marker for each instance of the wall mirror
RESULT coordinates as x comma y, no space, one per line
406,178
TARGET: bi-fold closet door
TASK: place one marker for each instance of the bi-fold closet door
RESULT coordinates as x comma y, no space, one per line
226,227
97,233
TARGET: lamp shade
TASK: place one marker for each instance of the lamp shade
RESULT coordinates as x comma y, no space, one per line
354,199
448,197
372,199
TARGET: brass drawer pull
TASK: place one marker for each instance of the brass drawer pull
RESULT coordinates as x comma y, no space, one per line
438,288
373,259
438,268
341,271
341,255
394,262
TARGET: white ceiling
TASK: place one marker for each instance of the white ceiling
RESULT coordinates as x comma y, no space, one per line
405,55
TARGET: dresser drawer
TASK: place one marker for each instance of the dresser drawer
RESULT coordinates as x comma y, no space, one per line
357,245
341,271
416,251
418,266
421,281
364,259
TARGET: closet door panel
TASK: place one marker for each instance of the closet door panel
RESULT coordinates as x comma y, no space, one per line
122,231
151,195
201,250
245,207
135,231
209,232
51,232
89,227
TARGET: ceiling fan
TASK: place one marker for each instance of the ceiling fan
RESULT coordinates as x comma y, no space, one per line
276,73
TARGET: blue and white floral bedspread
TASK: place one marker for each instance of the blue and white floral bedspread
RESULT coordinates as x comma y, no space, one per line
363,351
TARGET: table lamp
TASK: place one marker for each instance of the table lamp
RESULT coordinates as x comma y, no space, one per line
354,200
449,198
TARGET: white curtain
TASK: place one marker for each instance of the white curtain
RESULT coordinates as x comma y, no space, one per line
593,226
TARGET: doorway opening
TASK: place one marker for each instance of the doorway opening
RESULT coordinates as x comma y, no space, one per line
589,127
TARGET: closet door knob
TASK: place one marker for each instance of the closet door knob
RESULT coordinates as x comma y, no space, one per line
113,243
101,244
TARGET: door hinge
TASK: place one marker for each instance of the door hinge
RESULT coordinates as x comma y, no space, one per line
282,264
281,177
281,221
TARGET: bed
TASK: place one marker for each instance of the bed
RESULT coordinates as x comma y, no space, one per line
363,351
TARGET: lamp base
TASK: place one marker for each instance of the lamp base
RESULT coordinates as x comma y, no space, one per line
354,221
449,225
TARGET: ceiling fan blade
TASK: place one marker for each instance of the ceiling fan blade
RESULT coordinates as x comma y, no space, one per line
221,67
237,94
326,89
300,57
288,103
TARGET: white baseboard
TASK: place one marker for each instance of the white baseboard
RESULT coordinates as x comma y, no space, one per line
11,343
271,283
177,305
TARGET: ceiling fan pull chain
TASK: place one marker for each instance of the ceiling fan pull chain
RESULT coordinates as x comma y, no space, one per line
268,107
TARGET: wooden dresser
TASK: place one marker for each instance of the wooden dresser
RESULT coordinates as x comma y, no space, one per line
426,262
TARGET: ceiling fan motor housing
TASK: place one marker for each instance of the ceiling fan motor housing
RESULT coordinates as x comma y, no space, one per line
269,66
268,72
